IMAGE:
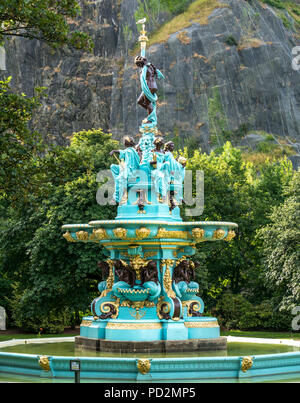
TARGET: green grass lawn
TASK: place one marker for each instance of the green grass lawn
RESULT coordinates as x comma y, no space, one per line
5,337
261,334
239,333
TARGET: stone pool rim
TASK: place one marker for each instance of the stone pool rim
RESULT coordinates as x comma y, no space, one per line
154,369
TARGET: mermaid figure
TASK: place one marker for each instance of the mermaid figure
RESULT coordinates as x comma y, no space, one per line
125,171
160,173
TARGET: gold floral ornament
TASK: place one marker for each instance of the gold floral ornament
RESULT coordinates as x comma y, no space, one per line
110,279
163,233
142,232
198,234
100,234
219,234
44,362
143,365
82,235
120,233
247,363
69,237
230,235
167,281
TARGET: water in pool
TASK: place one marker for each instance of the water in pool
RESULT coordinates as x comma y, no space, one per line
68,349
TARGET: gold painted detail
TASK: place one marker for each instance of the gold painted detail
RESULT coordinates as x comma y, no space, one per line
193,290
247,363
163,308
69,237
137,263
82,235
106,307
142,232
86,323
110,279
44,362
149,254
137,304
175,243
167,280
145,254
230,235
201,324
125,194
100,234
137,311
137,314
133,291
133,326
219,234
143,365
195,304
163,233
198,234
120,233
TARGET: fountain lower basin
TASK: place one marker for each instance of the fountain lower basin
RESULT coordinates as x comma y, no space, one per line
245,366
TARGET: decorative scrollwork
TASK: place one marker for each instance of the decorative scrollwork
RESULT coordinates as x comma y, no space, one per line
163,233
163,309
193,308
109,309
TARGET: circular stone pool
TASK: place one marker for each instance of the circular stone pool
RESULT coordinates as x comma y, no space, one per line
48,360
67,349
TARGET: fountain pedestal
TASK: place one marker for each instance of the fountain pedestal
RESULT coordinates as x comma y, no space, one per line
158,313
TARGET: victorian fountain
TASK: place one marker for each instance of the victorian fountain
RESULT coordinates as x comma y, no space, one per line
148,322
148,298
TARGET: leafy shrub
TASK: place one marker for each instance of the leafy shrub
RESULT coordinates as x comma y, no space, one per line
231,41
235,312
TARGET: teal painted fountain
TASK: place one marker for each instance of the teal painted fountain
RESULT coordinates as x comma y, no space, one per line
149,297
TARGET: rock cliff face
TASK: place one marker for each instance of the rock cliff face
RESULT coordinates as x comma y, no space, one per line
224,73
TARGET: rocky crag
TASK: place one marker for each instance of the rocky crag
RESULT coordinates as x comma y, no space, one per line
227,63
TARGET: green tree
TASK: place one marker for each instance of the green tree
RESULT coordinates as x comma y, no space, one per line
46,20
20,148
51,277
233,191
281,249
